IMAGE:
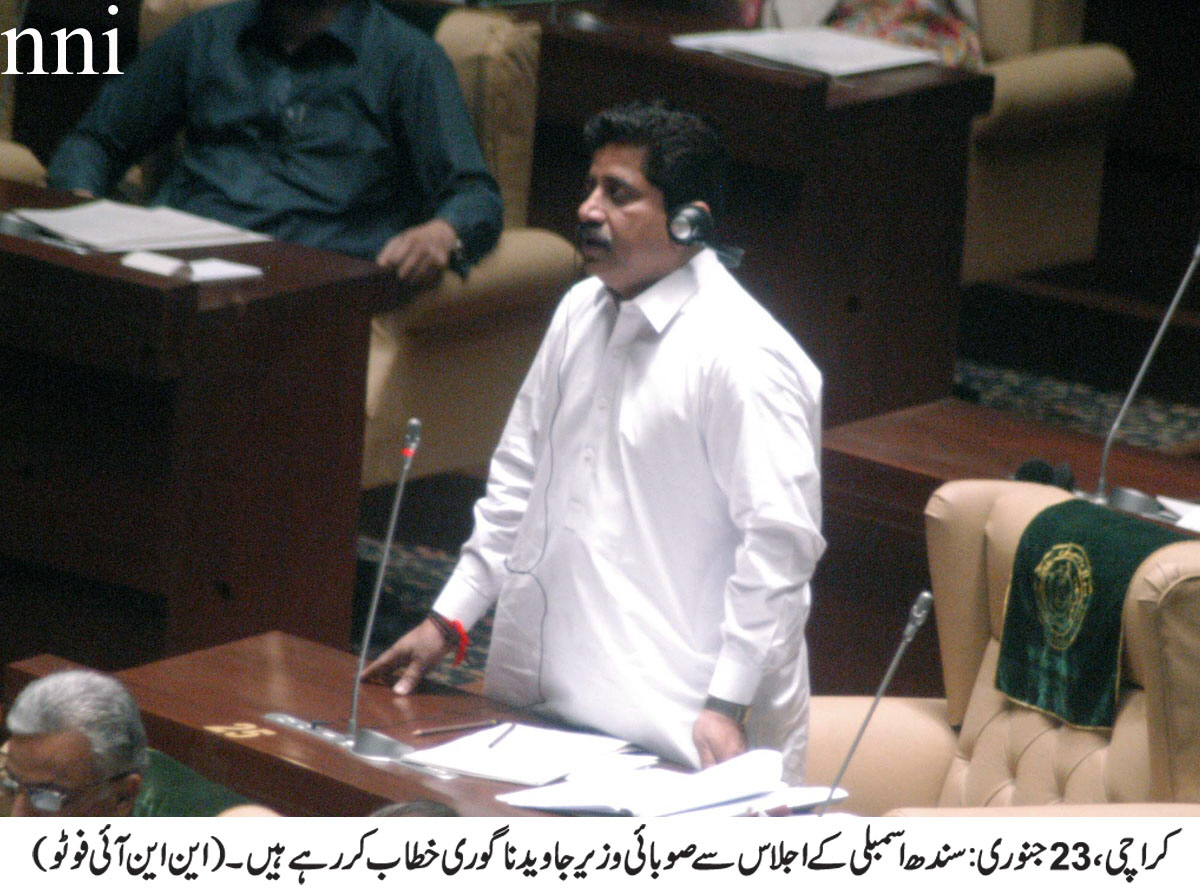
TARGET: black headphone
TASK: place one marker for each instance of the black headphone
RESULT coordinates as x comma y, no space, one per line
691,224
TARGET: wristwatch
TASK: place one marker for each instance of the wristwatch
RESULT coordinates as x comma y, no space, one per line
733,710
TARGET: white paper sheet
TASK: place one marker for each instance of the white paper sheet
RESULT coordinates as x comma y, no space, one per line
111,227
826,50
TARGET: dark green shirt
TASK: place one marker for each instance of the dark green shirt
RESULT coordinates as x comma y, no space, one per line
358,135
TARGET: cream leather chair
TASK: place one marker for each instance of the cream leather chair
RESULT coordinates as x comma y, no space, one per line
1037,158
456,355
978,750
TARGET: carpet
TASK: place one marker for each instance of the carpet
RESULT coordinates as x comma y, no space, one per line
1150,422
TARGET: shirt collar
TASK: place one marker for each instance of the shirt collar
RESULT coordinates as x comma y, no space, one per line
346,28
665,299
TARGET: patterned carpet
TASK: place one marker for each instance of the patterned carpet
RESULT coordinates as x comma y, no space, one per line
1149,422
415,573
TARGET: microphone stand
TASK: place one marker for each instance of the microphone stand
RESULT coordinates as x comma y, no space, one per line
370,744
916,618
1101,494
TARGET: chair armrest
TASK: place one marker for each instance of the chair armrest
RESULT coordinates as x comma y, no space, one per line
529,269
903,758
20,164
1054,92
1127,810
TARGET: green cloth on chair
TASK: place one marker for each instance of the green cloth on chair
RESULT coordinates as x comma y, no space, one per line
1061,647
171,789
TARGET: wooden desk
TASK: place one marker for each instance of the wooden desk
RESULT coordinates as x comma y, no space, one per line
206,709
848,195
180,464
878,475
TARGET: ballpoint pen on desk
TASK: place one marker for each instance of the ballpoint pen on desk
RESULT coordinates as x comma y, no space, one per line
506,732
452,728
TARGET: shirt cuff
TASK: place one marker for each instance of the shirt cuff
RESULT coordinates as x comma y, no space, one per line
461,600
734,682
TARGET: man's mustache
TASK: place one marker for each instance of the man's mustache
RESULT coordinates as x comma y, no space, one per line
593,235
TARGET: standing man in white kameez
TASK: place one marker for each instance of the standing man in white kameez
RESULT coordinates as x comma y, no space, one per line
652,514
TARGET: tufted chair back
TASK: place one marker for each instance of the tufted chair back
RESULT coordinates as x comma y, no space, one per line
1008,754
1010,28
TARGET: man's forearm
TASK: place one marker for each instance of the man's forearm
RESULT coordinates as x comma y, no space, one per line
81,164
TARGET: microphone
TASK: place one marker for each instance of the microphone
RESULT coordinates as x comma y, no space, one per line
370,743
916,618
1132,497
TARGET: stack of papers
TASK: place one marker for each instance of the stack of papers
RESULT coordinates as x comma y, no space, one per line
826,50
110,226
518,753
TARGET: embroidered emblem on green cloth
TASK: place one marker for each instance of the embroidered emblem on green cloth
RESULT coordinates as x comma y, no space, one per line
1062,587
1060,651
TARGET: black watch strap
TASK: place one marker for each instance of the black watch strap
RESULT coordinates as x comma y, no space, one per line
729,709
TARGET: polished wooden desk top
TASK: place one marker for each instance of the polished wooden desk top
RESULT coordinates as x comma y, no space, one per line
206,709
951,439
887,466
769,114
582,71
89,309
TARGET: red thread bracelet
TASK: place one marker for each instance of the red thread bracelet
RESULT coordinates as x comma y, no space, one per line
454,634
463,642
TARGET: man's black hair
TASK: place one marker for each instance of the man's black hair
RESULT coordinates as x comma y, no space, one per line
685,158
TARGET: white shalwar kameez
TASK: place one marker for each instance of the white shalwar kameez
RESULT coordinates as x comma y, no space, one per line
652,518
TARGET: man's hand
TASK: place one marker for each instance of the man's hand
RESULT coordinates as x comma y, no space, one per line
717,737
421,253
412,655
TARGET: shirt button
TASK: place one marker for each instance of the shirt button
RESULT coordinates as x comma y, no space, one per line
587,456
602,403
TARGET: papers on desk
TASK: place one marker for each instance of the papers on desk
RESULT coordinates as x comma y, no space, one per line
826,50
1188,512
110,226
746,783
518,753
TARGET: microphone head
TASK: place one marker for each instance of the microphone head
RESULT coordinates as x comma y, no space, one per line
412,433
921,606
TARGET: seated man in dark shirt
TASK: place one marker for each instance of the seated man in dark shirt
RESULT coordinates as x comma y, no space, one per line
331,123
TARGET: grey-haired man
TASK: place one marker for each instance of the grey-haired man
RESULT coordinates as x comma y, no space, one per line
77,748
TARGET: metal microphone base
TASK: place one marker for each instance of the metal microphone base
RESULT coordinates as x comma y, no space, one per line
374,746
1131,501
370,745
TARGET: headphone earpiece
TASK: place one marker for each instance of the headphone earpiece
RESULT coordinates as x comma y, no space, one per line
691,224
